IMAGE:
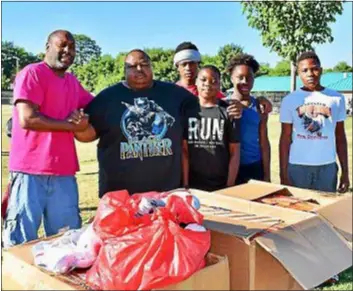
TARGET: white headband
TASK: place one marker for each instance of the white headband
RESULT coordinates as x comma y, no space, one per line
187,55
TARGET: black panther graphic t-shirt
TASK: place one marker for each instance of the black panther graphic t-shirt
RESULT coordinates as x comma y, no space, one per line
140,136
209,131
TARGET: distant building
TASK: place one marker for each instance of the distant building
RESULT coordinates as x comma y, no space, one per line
344,86
275,88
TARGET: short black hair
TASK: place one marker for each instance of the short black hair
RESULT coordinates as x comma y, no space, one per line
243,59
138,51
186,45
308,55
213,68
58,31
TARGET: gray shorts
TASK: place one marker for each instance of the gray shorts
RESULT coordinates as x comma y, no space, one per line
321,178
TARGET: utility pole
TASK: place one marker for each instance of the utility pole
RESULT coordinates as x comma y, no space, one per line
17,63
293,74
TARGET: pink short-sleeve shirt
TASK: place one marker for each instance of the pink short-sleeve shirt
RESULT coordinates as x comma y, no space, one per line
46,153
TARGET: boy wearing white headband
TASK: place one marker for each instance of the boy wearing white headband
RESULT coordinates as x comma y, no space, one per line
187,59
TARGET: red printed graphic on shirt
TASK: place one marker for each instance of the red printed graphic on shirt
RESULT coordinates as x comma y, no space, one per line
313,117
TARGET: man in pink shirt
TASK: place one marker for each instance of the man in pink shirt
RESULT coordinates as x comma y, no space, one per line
43,160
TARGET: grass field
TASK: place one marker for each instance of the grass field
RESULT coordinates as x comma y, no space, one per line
88,178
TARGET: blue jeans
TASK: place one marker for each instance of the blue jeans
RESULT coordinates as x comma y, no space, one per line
320,178
55,198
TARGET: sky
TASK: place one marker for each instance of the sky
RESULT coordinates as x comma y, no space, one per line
122,26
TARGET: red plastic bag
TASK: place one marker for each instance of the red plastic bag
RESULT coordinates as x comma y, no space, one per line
116,212
147,252
116,215
184,212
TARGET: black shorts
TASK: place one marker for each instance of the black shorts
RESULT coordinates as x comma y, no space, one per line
250,171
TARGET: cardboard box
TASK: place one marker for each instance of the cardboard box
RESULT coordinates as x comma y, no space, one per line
273,248
335,208
19,273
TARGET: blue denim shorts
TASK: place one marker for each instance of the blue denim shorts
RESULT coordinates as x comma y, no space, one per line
320,178
33,197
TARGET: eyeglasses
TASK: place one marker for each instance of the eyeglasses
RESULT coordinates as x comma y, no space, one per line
135,67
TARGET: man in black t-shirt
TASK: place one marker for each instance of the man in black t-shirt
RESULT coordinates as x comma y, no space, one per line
139,124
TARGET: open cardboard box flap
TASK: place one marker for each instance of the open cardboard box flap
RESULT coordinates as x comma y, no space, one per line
306,243
339,215
276,214
323,198
310,250
336,209
242,229
252,191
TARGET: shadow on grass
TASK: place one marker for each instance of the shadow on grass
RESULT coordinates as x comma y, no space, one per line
344,282
89,174
88,209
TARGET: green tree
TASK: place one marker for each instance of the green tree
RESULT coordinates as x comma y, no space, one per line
115,75
86,49
225,53
290,28
106,81
210,60
282,68
342,67
329,70
89,74
265,69
5,83
109,75
41,56
13,59
162,61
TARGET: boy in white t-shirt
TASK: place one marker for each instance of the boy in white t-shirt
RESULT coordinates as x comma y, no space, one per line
313,132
